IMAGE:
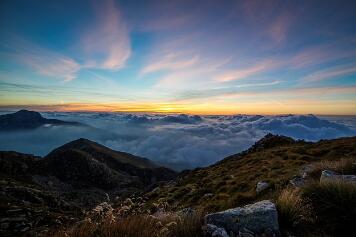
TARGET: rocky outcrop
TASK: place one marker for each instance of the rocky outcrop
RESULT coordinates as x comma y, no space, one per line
270,141
258,218
328,175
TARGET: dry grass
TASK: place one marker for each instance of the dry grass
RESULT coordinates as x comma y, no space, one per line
168,225
294,212
342,166
232,181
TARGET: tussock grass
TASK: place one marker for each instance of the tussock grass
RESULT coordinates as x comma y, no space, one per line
334,206
169,225
294,212
342,166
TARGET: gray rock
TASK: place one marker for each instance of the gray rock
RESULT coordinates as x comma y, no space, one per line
261,185
214,231
256,217
328,175
297,181
305,170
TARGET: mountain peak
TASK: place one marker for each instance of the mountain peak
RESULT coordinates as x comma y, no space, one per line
272,140
27,119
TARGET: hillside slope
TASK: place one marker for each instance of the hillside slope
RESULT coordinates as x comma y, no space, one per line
58,189
232,181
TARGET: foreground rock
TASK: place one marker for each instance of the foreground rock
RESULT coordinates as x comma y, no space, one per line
250,220
328,175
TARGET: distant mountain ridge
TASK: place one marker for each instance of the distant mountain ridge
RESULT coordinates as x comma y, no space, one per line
25,119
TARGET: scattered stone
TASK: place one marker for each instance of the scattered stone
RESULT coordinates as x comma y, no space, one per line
305,170
328,175
257,218
297,181
261,185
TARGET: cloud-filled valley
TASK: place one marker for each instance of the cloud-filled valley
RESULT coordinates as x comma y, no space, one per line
178,141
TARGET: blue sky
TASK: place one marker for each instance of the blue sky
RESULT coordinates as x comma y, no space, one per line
203,57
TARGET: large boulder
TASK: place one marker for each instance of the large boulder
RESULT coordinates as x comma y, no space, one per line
260,217
328,175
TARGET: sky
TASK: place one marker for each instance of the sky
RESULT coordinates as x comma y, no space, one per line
193,57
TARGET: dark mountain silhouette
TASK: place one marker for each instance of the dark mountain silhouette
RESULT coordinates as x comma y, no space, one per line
93,164
25,119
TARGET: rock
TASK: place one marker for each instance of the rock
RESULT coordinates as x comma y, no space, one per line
257,218
261,185
305,170
297,181
328,175
214,231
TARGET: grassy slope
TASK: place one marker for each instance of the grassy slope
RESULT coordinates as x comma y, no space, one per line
232,181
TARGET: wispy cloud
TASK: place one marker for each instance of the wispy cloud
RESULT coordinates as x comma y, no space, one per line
331,73
171,61
44,61
320,54
107,44
242,73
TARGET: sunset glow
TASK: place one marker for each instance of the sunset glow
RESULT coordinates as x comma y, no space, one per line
214,57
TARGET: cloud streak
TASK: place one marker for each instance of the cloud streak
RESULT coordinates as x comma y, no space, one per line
108,43
44,61
331,73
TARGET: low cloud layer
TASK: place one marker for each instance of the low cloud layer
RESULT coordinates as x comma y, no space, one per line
177,141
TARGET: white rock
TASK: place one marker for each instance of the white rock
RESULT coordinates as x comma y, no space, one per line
257,217
328,175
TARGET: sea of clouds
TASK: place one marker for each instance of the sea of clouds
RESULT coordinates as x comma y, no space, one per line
177,141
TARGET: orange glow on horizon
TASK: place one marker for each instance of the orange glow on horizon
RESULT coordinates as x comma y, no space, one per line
207,108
